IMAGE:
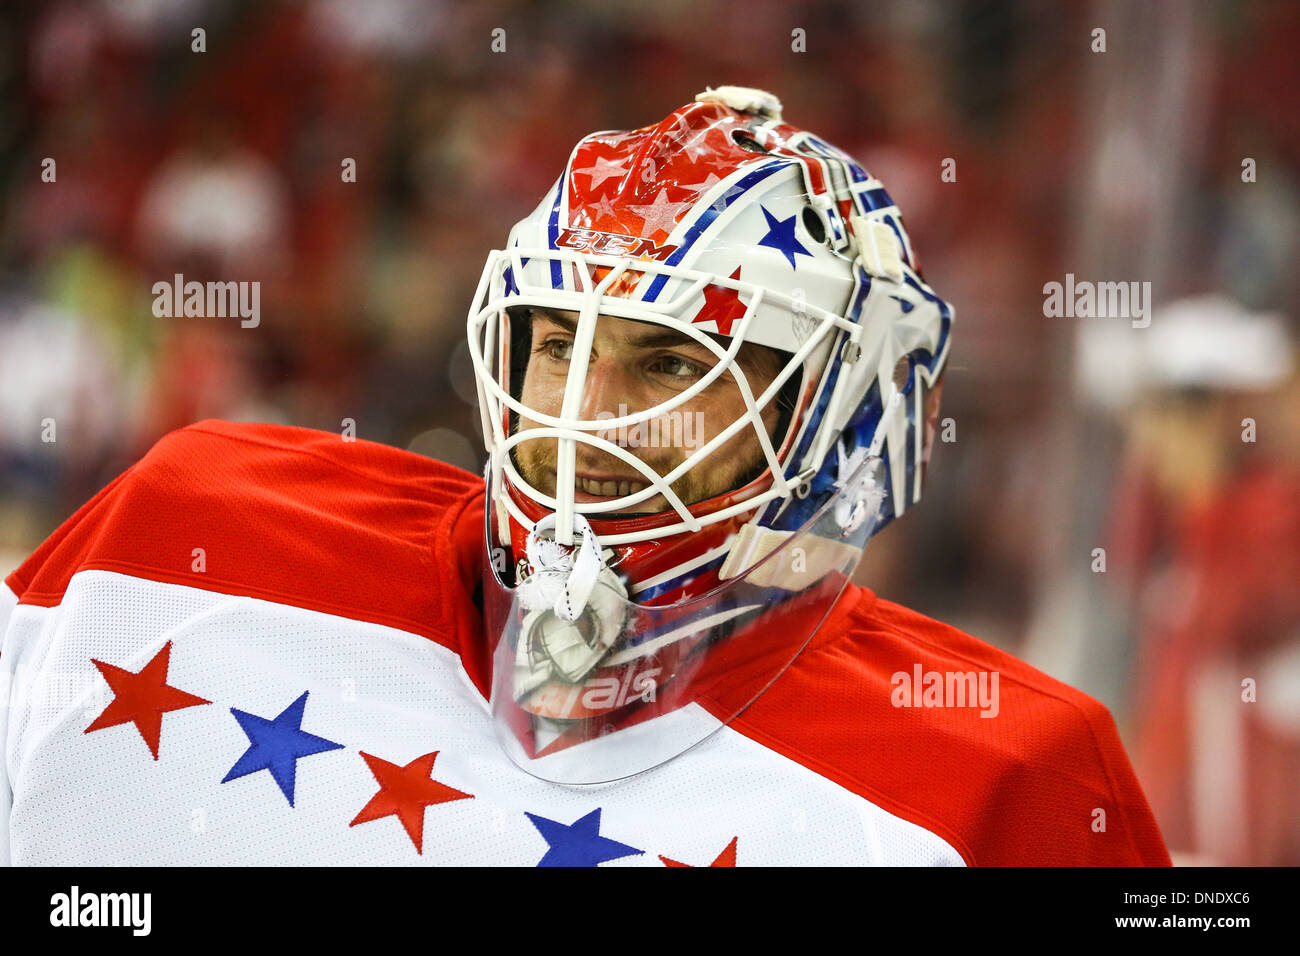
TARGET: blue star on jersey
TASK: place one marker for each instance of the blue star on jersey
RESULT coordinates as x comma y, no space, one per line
780,236
276,745
578,843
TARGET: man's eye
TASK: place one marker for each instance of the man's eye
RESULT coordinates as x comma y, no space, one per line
677,367
559,349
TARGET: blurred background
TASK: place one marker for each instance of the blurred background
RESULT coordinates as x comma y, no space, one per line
1119,505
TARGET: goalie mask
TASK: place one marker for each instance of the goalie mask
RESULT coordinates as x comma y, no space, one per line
702,364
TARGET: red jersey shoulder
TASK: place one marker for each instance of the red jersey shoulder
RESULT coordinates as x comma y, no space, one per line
1007,764
286,514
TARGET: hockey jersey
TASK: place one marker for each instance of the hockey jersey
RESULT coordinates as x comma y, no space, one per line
260,645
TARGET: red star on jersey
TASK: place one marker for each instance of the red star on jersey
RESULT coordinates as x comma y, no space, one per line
405,792
722,306
726,858
142,698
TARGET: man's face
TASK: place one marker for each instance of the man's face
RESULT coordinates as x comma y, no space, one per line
638,365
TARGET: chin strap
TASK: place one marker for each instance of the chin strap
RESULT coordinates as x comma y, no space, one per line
848,509
862,495
562,577
570,624
867,493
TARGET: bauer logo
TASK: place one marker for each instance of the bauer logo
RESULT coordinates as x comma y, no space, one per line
946,689
75,908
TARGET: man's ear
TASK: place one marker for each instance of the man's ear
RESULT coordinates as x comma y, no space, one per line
931,414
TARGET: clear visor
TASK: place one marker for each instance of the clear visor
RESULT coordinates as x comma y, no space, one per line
594,688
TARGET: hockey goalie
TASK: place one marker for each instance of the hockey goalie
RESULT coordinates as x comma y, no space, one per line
709,370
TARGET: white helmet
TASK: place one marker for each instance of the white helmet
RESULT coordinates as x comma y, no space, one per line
729,228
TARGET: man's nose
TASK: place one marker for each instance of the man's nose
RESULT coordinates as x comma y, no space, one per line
605,390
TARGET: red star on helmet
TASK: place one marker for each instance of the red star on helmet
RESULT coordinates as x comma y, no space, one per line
721,305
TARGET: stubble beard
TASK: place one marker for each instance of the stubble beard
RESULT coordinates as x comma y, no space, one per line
536,463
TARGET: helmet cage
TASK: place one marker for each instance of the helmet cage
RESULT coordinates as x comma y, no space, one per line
506,282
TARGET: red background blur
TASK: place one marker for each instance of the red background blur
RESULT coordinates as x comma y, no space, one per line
1116,165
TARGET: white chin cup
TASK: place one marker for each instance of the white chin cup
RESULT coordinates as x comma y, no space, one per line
555,648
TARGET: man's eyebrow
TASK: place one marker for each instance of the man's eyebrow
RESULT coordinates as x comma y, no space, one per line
651,339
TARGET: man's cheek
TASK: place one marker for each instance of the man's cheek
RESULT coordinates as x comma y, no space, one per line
531,457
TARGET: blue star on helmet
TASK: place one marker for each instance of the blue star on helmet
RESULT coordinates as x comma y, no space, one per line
780,236
276,745
512,287
578,843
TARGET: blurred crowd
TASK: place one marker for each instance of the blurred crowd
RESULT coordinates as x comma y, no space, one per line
226,164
